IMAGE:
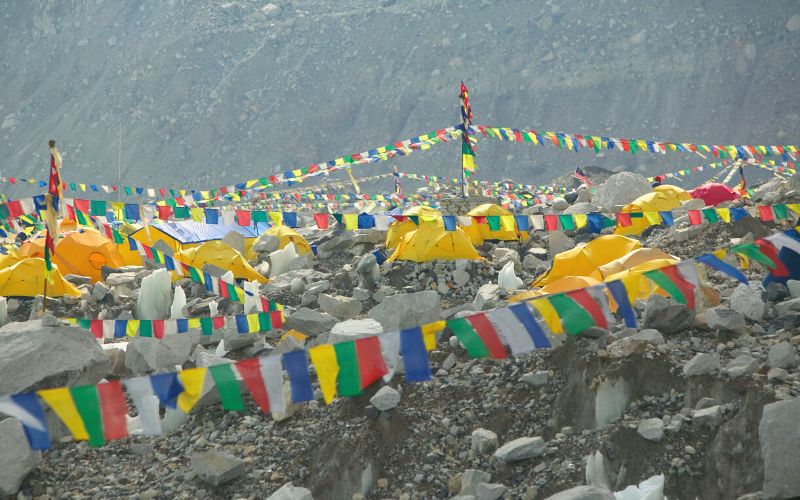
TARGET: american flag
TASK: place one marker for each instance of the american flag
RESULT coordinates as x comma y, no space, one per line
582,177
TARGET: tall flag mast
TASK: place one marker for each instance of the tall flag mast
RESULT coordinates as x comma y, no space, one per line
52,199
467,152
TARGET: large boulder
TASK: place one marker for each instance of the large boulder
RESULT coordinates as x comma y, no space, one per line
339,307
666,316
217,468
353,329
749,300
34,356
407,310
621,189
291,492
145,354
590,492
521,449
310,322
780,449
17,459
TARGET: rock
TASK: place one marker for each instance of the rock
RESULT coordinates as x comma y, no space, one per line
470,479
651,429
777,375
310,322
620,189
487,297
749,301
385,399
483,441
591,492
100,290
635,342
34,356
490,491
318,287
369,274
775,292
117,359
145,355
17,459
407,310
723,318
780,449
781,355
558,242
710,417
216,468
353,329
116,279
701,364
667,316
536,379
266,243
559,204
337,244
744,364
530,262
291,492
787,307
521,449
287,259
298,286
582,207
794,288
339,307
155,296
460,277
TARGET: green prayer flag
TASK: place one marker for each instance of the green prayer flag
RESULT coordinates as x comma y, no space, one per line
227,387
97,208
85,323
170,202
338,218
494,222
264,322
260,216
780,211
4,212
128,190
752,251
87,402
118,238
348,379
663,281
146,328
710,215
181,213
469,337
232,292
574,318
82,219
207,325
567,222
195,275
634,147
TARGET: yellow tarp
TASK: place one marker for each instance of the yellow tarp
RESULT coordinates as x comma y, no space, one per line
564,284
26,278
632,259
585,260
663,197
434,243
287,235
397,229
78,252
477,233
223,256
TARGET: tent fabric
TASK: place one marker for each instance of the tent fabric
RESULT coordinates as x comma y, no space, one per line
714,193
221,255
636,283
78,252
27,277
287,235
585,260
634,258
565,284
182,235
662,198
10,259
479,232
430,242
397,229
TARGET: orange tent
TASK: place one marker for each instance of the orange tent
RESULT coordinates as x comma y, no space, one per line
78,252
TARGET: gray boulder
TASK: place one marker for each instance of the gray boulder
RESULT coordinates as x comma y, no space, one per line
217,468
558,242
266,243
339,307
521,449
369,274
651,429
17,459
291,492
621,189
781,356
407,310
701,364
470,479
487,297
310,322
483,441
490,491
723,318
385,399
711,416
780,449
744,364
353,329
145,355
591,492
34,356
667,316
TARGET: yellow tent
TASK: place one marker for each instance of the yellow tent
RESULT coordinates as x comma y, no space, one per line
479,232
586,259
287,235
637,285
632,259
26,278
663,197
564,284
182,235
397,229
11,258
430,242
223,256
78,252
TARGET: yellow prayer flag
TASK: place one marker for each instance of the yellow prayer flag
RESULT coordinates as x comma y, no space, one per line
580,220
720,254
276,217
193,322
300,337
429,332
794,207
507,223
83,187
297,172
549,314
132,327
324,359
744,261
197,214
60,400
192,380
350,221
652,218
252,323
724,214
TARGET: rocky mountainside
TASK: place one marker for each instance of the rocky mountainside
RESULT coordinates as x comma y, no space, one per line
207,92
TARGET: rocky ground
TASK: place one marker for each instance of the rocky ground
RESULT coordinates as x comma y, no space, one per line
707,398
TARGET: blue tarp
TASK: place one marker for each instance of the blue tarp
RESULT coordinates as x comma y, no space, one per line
195,232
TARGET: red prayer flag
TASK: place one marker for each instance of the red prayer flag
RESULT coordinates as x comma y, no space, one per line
96,327
624,219
276,317
582,297
551,222
371,365
695,217
114,410
14,208
250,370
243,217
82,205
218,322
164,212
780,270
158,328
485,330
321,220
766,213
